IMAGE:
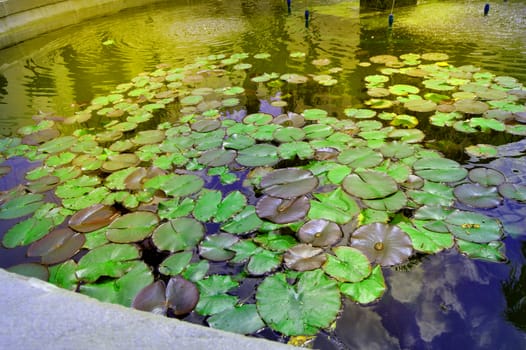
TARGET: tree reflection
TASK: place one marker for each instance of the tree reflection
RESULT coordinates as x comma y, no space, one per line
514,290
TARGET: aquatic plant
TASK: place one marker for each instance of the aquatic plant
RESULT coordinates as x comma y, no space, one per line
166,176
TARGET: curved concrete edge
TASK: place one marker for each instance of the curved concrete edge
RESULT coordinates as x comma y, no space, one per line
39,315
24,25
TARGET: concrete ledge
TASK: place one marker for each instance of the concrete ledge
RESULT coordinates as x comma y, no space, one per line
20,23
38,315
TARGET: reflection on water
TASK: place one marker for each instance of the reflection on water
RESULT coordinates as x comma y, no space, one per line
441,301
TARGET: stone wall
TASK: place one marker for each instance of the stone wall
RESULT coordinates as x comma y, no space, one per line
24,19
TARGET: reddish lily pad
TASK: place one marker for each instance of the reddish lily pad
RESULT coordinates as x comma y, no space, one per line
93,218
57,246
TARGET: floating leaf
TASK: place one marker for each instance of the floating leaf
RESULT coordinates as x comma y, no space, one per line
288,183
216,247
93,218
112,260
176,185
243,319
384,244
175,263
132,227
246,221
369,184
473,227
439,169
347,265
492,251
477,196
367,290
282,211
178,234
310,304
213,297
360,157
21,206
336,206
513,191
27,231
425,240
258,155
304,257
320,233
57,246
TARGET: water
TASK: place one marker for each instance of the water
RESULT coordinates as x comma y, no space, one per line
436,302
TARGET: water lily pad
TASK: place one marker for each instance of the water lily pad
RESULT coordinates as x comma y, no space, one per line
347,265
112,260
486,176
477,196
435,56
217,157
424,240
359,113
288,183
213,294
367,290
473,227
513,191
30,270
310,304
381,243
282,211
492,251
403,89
471,106
258,155
57,246
120,161
132,227
123,289
216,247
486,124
63,275
176,185
191,100
243,319
294,78
21,206
93,218
439,169
320,233
369,184
420,106
244,222
336,206
304,257
175,263
178,234
360,157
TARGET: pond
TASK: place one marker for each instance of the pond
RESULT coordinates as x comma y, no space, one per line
414,132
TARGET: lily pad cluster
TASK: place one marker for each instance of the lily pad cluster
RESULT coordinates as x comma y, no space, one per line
170,176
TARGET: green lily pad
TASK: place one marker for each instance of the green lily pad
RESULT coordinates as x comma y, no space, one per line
492,251
486,124
310,304
175,185
403,89
425,240
360,157
58,144
178,234
347,265
439,169
359,113
433,193
21,206
243,319
336,206
132,227
216,247
367,290
213,294
258,155
31,270
482,151
407,135
244,222
473,227
175,263
63,275
369,184
122,290
112,260
27,231
420,106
